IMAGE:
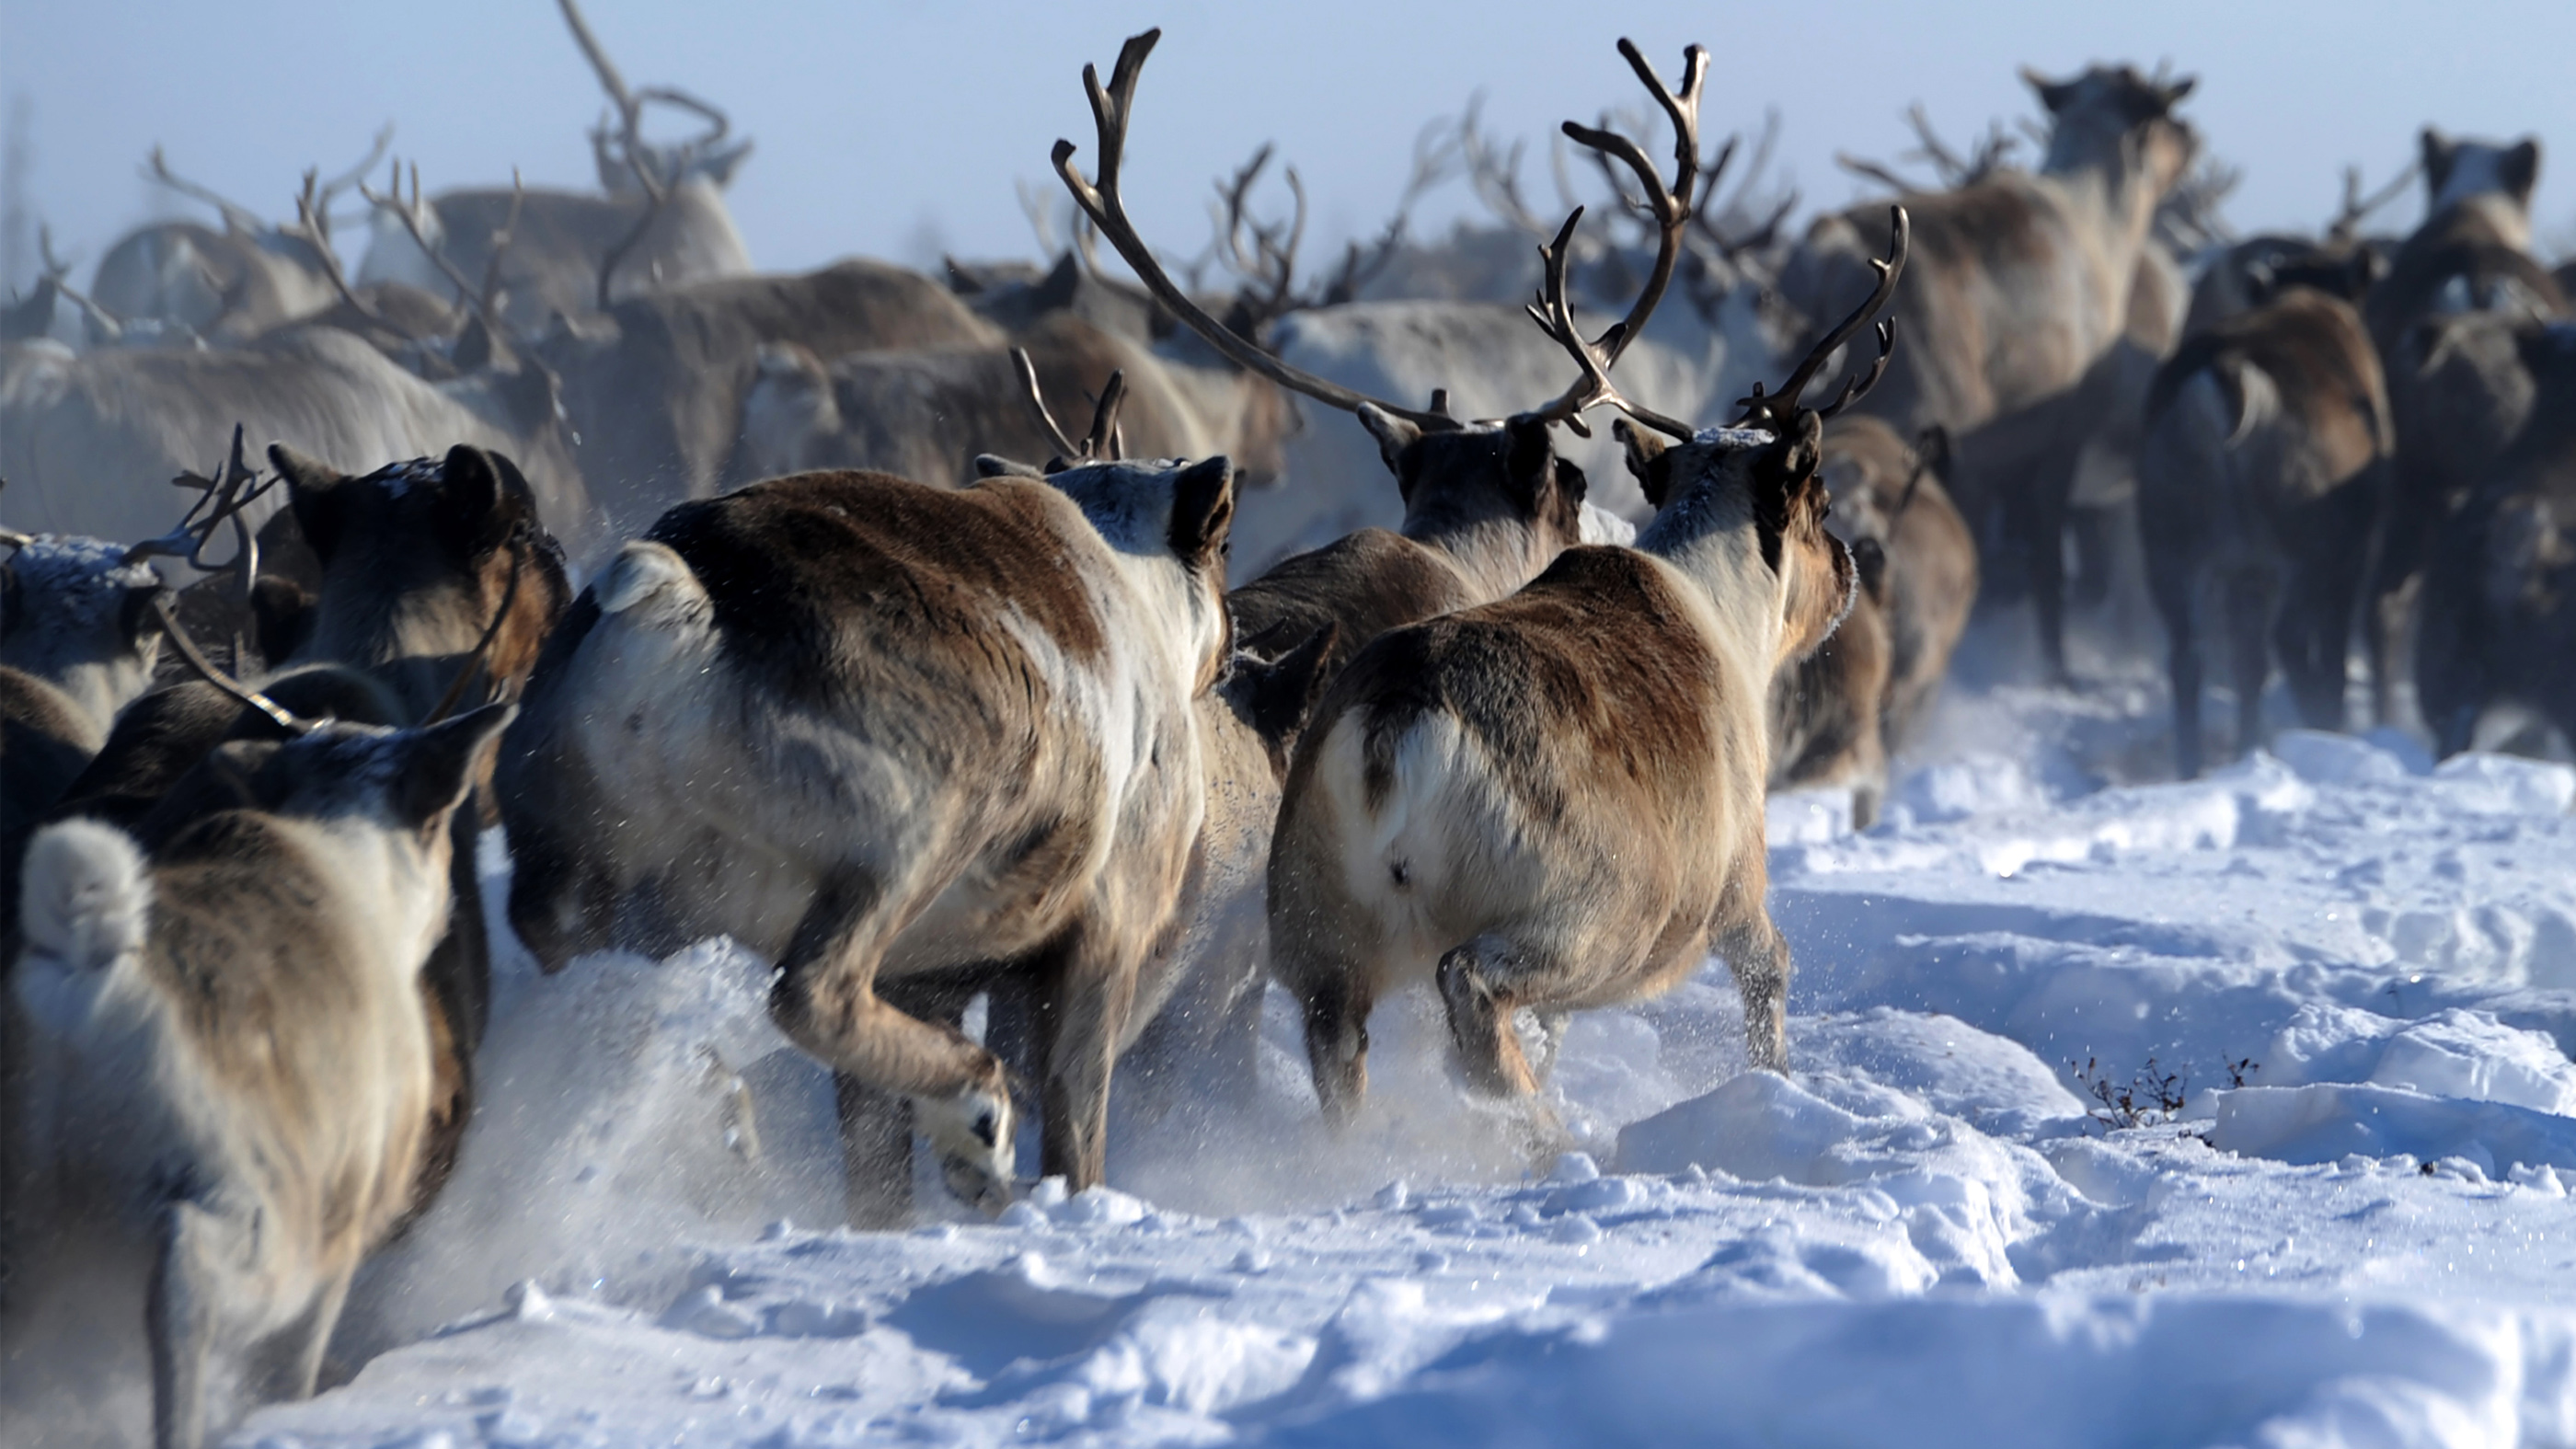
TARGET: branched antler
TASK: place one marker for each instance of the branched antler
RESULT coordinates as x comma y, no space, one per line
237,218
472,299
1112,107
56,275
1104,443
1778,410
232,487
1592,387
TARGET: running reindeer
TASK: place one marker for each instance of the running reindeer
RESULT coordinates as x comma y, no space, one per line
225,1095
1557,798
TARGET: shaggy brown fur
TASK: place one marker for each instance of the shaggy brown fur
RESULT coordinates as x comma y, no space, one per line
798,694
227,1074
1557,797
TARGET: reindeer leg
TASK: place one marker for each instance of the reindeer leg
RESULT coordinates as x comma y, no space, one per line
1476,983
2251,599
876,1152
826,1002
184,1316
1082,1014
2172,585
1759,958
294,1353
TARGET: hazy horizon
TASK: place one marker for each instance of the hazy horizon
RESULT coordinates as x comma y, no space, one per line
900,134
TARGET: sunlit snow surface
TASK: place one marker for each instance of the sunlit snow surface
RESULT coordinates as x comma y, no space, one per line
1922,1239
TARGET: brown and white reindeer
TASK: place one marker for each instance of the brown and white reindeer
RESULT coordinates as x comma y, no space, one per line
1487,504
779,716
223,1093
1555,801
2023,282
1840,714
1192,1036
438,583
2260,493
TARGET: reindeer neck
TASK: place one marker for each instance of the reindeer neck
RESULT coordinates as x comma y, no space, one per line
1494,551
2107,190
1710,541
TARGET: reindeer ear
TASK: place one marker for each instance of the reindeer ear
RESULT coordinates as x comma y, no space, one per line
1527,464
469,518
989,466
135,615
1649,461
1203,512
1393,435
1798,462
2173,93
1932,449
1279,696
437,763
313,491
2521,168
2052,94
2437,149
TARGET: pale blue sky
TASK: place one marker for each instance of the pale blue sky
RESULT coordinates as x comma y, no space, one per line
883,128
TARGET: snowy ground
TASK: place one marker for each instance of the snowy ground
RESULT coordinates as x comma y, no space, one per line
1922,1239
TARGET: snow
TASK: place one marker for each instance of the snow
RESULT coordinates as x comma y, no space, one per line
2355,969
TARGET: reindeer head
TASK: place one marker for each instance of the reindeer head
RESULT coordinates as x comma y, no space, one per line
1172,519
2114,118
2497,178
1765,471
75,613
1503,478
394,788
1487,472
789,410
422,562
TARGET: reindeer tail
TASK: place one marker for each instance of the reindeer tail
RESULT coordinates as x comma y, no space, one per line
85,896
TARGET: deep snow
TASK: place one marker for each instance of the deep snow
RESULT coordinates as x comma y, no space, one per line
1923,1238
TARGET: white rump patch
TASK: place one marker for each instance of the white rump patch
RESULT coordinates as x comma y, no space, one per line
85,895
643,572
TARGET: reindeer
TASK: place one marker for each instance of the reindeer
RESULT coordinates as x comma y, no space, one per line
2263,479
661,223
2499,610
81,436
227,1071
924,641
1840,714
435,577
2025,282
1558,796
656,386
2445,320
1487,505
180,278
925,413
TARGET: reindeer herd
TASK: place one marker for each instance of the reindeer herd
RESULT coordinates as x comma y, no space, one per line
924,722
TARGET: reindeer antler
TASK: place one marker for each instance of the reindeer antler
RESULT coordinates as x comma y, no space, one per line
1103,443
1780,409
221,497
2357,208
1592,387
1112,107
